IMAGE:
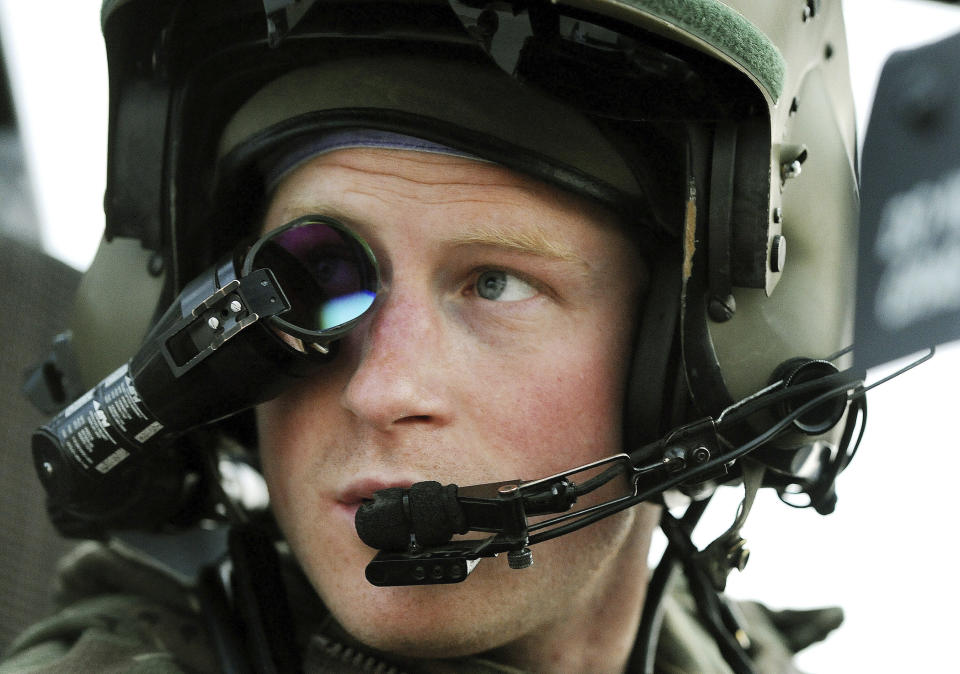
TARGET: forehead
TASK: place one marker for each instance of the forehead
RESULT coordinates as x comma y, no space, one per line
364,185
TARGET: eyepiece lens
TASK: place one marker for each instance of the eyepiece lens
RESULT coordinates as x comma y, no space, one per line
328,274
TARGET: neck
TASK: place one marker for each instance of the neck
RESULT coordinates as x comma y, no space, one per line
598,631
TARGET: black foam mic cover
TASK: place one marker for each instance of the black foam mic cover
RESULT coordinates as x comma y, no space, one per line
435,513
428,510
382,522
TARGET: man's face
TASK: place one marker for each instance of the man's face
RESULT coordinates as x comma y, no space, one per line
496,350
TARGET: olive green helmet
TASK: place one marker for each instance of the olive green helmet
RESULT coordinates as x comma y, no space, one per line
721,132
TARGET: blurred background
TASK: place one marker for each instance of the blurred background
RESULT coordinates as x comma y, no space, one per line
886,555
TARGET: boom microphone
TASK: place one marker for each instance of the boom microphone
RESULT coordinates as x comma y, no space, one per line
427,511
413,528
429,514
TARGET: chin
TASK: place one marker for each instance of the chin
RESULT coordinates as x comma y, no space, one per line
428,638
427,621
493,608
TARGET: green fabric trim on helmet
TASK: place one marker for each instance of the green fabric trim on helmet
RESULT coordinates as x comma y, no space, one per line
726,30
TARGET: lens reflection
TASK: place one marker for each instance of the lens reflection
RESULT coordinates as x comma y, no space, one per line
327,274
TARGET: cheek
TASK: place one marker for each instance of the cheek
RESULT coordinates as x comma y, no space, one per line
287,428
276,454
562,407
294,421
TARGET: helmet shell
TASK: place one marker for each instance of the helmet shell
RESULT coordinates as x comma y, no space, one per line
181,71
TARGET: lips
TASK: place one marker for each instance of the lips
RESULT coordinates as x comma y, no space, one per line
363,489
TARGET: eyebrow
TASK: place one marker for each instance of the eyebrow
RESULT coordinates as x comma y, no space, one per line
528,242
533,241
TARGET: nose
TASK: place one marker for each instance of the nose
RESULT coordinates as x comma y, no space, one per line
400,373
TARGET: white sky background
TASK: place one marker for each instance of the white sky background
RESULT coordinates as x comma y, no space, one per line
888,555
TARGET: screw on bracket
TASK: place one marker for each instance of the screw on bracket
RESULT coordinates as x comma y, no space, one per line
810,9
721,309
520,559
738,555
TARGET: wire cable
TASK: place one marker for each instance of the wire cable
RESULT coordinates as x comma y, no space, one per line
690,475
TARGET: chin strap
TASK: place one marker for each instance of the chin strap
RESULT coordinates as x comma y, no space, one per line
245,605
643,657
728,551
716,613
706,573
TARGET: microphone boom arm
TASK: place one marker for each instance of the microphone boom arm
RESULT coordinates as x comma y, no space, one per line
503,508
690,454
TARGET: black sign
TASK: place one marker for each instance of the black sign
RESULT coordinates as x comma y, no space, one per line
908,279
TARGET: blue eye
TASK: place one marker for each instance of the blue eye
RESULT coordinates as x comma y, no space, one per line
500,286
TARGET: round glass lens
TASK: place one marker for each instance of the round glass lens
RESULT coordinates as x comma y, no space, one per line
328,274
